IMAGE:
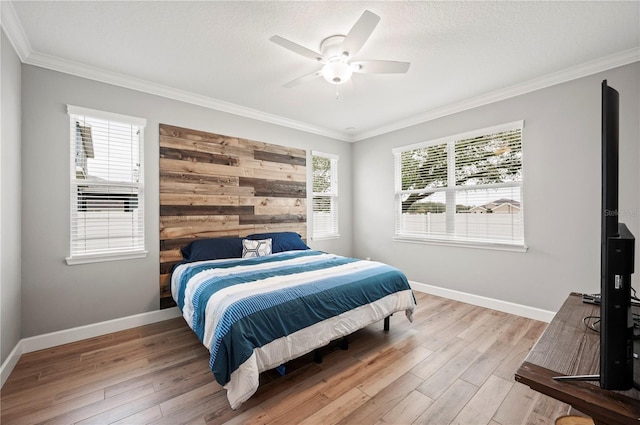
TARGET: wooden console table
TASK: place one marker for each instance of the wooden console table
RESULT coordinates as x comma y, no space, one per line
568,347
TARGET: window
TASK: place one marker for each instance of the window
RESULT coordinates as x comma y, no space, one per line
107,186
325,195
462,189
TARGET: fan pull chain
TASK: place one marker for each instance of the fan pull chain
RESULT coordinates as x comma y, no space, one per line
337,92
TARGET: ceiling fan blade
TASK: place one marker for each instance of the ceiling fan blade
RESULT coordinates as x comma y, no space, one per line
359,33
303,79
380,67
296,48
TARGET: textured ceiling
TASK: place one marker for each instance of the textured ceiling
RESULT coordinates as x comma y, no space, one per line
219,53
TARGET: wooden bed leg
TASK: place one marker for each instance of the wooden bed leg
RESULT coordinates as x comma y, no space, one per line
344,344
317,356
386,323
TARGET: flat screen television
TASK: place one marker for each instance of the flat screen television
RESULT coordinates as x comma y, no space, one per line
617,260
617,246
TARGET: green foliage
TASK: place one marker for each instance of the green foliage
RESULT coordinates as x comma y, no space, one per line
321,168
434,207
424,168
493,158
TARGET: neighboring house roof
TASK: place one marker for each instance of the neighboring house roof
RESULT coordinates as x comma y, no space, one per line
476,209
506,207
497,205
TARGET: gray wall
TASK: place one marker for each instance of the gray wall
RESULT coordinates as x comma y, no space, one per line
10,205
561,144
56,296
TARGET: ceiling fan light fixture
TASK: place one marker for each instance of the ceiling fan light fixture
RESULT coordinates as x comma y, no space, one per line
336,71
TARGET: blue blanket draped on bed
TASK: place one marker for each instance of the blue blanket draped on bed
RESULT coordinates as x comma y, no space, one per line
254,320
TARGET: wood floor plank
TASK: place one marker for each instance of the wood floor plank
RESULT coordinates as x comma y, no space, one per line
453,360
439,358
485,364
387,400
517,406
338,409
447,406
408,410
438,383
382,378
484,403
144,417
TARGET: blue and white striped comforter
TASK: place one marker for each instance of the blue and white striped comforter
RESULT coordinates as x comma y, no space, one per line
254,314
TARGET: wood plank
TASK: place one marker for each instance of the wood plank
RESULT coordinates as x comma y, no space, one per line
270,187
280,210
446,407
172,177
408,410
189,167
281,158
172,131
272,219
265,201
272,148
517,406
192,227
197,156
206,189
277,175
387,400
378,380
281,168
437,383
338,408
485,402
198,199
199,210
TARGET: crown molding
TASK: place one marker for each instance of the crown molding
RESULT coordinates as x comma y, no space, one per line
121,80
14,31
589,68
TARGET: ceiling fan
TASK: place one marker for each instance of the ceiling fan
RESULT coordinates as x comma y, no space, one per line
337,52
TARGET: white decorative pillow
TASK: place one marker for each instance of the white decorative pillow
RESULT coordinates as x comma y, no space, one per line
256,248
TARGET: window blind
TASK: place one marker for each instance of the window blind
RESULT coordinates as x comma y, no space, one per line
325,195
463,188
107,186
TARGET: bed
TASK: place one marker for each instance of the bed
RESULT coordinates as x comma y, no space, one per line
257,302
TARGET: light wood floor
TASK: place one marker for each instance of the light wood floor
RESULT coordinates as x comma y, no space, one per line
453,365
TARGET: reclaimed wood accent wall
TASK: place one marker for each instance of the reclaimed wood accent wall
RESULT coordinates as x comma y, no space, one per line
213,185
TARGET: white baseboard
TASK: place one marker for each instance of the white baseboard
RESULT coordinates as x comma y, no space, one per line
41,342
505,306
10,362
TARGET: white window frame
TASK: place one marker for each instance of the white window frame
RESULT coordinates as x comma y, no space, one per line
332,230
137,249
450,238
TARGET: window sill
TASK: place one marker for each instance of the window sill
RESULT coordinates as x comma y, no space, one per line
325,237
99,258
464,244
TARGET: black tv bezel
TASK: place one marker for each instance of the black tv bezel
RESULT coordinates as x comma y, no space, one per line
617,258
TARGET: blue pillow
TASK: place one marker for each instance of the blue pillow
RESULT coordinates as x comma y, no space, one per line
212,249
281,241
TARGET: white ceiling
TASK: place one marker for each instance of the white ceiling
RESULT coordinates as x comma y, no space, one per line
218,54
